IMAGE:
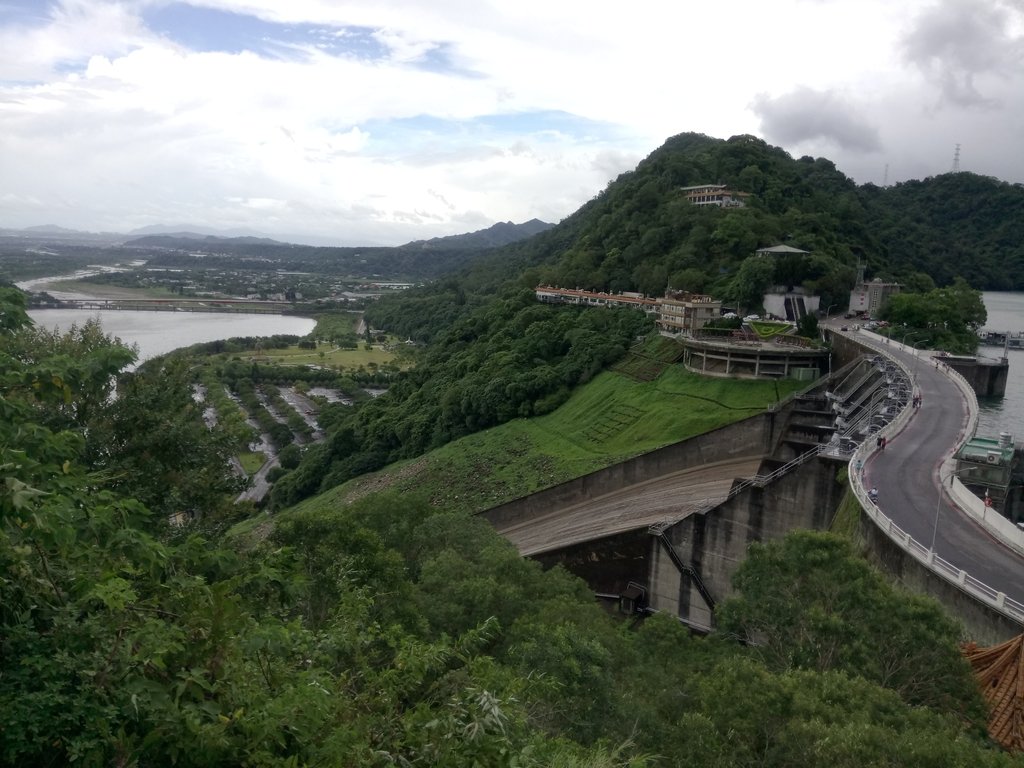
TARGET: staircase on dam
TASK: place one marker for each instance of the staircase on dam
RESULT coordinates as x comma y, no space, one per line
811,424
869,394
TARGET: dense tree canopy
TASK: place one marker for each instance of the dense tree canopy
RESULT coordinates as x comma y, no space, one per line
393,633
947,318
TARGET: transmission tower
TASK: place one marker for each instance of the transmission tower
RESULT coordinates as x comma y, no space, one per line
956,159
885,176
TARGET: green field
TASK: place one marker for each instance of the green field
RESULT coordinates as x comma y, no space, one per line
328,355
610,419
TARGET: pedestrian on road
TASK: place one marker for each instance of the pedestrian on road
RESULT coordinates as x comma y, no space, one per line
878,442
859,467
883,443
873,495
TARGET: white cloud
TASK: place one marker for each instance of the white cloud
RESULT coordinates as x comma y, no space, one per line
392,120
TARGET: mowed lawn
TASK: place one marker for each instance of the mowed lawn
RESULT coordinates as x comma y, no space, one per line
610,419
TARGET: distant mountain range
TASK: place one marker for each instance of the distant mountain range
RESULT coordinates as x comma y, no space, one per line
502,233
183,236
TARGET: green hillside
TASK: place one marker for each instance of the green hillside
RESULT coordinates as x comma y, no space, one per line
494,354
640,233
610,419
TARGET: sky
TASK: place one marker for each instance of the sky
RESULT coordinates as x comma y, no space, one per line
377,122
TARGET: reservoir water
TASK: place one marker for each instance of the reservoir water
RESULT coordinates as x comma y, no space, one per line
1005,414
158,333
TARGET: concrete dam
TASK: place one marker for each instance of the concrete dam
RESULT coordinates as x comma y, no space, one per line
666,530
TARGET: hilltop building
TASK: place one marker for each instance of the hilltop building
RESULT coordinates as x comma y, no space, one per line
715,194
778,250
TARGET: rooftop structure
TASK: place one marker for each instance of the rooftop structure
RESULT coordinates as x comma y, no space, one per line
999,670
985,466
778,250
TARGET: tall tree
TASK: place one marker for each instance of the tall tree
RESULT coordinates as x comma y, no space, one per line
809,602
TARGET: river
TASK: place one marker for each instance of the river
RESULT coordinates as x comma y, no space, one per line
1005,414
158,333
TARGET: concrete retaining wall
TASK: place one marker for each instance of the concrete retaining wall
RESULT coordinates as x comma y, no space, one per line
716,544
987,378
755,436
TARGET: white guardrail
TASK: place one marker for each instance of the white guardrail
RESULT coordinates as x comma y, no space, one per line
959,493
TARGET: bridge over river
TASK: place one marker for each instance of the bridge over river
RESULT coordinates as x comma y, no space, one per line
667,530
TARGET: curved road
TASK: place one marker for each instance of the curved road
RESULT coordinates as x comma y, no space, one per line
906,475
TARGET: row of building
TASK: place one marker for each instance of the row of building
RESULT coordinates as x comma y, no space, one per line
682,311
675,312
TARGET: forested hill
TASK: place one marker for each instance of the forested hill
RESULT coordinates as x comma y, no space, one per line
502,233
417,260
641,233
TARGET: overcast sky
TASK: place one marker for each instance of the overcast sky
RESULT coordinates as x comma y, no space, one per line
384,121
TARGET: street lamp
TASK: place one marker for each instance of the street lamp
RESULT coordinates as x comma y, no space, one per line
828,311
907,334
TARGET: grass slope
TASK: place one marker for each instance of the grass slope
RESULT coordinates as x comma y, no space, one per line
610,419
325,355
